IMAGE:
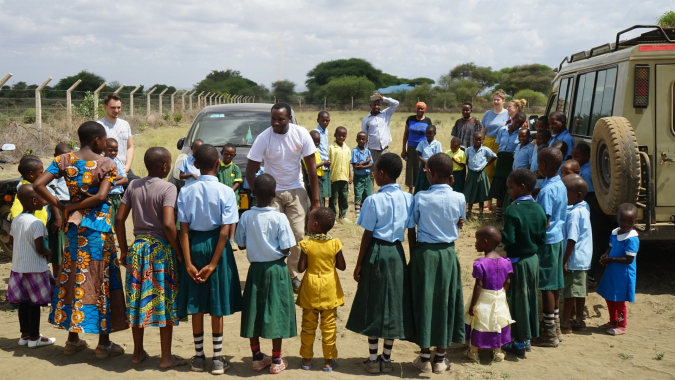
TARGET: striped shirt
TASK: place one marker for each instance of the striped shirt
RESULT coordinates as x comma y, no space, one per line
25,259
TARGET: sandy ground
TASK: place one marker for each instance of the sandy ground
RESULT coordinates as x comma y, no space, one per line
645,352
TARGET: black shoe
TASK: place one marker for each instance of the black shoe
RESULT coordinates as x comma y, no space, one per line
511,348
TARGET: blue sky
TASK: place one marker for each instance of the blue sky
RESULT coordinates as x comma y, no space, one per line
179,42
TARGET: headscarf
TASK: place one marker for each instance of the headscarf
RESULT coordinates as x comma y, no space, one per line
421,104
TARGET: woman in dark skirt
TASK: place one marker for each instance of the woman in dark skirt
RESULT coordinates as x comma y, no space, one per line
507,138
382,306
414,133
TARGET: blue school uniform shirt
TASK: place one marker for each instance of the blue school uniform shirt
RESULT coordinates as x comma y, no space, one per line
187,166
477,161
507,141
493,122
387,213
567,138
359,156
522,157
323,144
618,281
265,233
207,204
585,173
118,189
534,165
427,149
553,199
578,228
436,213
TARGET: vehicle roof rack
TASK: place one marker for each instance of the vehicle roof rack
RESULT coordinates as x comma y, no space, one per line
657,35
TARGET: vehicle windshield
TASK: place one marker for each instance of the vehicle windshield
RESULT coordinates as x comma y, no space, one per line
237,127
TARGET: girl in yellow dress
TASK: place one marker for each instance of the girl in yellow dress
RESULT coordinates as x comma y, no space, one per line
320,292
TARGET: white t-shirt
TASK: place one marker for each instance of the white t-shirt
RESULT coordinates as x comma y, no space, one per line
282,155
120,131
25,259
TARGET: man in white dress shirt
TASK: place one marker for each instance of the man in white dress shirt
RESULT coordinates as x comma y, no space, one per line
376,125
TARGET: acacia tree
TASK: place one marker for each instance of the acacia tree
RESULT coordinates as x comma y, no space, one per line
283,90
667,20
343,89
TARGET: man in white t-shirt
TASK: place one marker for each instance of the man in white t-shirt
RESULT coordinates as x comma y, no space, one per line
119,130
282,147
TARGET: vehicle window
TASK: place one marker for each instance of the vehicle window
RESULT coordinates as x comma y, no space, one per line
221,128
604,97
582,107
562,95
552,105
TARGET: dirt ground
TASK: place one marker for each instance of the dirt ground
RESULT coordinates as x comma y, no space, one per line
645,352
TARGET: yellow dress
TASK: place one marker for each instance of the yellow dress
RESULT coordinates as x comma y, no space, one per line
320,289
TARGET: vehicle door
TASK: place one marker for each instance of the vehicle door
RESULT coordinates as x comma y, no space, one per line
664,110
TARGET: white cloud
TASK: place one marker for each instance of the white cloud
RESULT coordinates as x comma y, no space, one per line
179,42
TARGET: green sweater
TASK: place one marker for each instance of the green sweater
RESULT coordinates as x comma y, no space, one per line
524,229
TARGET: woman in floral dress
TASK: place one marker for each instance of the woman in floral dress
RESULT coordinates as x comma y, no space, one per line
89,297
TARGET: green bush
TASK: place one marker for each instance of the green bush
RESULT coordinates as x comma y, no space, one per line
86,108
29,116
166,116
143,126
178,117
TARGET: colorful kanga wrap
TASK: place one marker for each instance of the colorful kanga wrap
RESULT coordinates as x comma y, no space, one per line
151,283
89,298
33,288
438,310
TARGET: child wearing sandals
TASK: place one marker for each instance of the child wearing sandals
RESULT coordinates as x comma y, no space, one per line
487,315
382,305
435,274
320,293
30,282
268,310
618,282
152,266
209,281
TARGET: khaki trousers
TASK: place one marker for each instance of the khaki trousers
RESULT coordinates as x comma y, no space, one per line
293,204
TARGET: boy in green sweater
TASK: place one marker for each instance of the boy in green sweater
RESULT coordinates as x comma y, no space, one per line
524,232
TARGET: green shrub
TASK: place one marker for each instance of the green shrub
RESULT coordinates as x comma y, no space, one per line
143,126
178,117
29,116
166,116
86,108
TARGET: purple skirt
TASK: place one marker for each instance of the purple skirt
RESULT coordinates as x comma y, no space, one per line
483,339
33,288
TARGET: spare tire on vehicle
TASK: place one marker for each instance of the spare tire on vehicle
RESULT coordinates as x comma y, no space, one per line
615,163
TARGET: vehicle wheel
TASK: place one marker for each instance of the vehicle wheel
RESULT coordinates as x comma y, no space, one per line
615,163
5,227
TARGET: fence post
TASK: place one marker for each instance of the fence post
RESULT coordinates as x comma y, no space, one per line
160,100
38,103
119,89
173,109
199,97
131,101
352,103
5,79
101,87
69,102
211,99
147,113
253,100
182,99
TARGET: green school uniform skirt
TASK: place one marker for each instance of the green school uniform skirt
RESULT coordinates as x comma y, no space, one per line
438,303
422,182
459,176
55,241
269,306
476,187
522,298
115,203
551,266
324,184
382,305
220,295
498,190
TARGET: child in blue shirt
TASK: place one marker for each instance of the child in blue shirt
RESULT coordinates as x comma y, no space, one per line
439,314
557,122
269,310
209,282
541,142
115,194
618,282
578,253
522,156
477,182
553,199
188,171
507,138
382,307
426,148
362,161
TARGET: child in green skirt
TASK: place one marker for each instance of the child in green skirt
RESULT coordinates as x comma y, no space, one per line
209,282
438,314
477,184
269,310
523,234
115,194
382,306
426,149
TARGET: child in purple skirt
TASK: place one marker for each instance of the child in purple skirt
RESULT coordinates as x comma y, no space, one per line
30,281
487,315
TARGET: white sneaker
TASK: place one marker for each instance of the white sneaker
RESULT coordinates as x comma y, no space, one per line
24,341
41,342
